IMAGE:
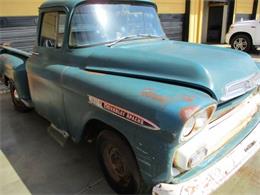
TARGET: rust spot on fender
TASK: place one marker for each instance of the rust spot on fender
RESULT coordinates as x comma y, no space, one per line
188,98
149,92
187,112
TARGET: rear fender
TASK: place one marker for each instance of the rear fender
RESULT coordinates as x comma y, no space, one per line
13,68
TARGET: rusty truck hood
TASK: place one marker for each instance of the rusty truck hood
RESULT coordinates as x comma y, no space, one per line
204,67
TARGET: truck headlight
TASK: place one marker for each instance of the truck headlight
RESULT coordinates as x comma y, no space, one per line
197,122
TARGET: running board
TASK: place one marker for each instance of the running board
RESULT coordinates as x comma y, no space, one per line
60,136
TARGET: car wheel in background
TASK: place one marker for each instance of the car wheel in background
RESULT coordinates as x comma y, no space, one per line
241,42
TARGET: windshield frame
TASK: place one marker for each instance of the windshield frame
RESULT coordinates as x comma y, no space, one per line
136,3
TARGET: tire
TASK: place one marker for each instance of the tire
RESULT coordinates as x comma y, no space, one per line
241,42
118,164
18,104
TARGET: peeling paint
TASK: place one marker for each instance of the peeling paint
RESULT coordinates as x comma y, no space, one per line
149,92
187,112
162,99
188,98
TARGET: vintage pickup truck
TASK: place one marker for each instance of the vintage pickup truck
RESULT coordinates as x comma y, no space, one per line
166,116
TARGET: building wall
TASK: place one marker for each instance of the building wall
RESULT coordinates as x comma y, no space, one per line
244,6
171,6
171,14
196,20
258,11
19,7
19,32
243,10
18,19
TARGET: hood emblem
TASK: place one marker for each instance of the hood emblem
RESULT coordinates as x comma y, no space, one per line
240,87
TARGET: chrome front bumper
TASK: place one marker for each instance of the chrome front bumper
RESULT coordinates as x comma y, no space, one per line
210,179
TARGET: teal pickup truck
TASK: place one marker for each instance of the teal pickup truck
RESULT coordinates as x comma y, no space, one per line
167,117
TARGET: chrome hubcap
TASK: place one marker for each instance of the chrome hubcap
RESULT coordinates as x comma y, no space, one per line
240,44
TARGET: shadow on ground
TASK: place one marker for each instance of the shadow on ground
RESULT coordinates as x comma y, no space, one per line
44,166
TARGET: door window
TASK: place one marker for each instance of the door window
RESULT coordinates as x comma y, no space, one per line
52,30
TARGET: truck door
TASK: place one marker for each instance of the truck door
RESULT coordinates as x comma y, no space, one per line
45,68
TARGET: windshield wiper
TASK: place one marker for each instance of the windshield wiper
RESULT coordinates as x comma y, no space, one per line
134,37
151,36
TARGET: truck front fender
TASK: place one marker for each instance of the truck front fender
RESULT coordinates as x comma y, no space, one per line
109,98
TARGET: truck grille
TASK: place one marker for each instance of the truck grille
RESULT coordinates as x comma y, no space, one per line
218,132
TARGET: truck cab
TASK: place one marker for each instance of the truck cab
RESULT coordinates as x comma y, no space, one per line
166,116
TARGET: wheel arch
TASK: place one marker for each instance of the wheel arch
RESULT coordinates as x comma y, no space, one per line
6,80
241,33
94,127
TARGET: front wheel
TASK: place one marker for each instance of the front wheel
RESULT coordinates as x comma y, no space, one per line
242,42
118,164
17,102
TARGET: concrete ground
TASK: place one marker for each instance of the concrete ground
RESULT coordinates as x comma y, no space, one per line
42,164
45,167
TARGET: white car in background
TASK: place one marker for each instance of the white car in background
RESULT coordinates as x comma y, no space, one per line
244,35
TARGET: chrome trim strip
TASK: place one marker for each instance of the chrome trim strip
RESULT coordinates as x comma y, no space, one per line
240,87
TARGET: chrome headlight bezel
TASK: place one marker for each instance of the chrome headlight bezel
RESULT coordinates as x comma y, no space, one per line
197,122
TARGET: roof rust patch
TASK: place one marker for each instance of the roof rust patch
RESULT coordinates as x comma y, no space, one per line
150,93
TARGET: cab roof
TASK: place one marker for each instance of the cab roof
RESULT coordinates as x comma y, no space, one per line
72,3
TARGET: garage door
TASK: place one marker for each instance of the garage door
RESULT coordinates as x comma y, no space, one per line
19,32
172,15
173,25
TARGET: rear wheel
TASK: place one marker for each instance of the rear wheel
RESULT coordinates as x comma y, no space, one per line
241,42
119,164
17,102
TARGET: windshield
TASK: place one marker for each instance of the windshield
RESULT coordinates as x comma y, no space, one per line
105,23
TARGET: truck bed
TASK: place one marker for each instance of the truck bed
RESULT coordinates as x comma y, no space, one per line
12,68
8,49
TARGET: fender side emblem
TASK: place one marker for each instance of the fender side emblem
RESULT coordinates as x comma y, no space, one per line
122,113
